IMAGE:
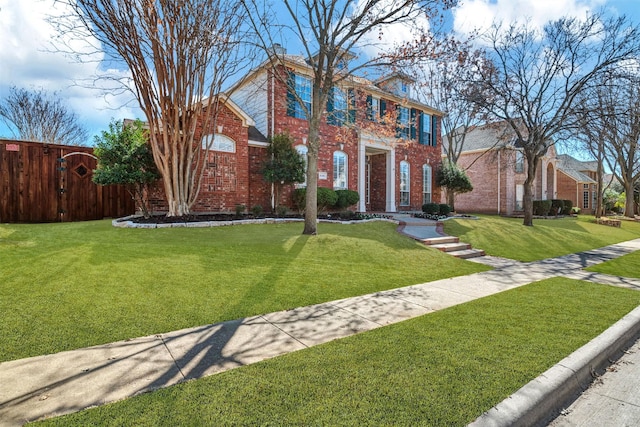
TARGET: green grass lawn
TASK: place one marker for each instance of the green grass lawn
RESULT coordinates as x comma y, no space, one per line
548,238
72,285
626,266
444,368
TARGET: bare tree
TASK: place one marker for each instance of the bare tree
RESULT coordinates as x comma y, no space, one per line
531,78
180,54
609,127
445,84
35,115
330,31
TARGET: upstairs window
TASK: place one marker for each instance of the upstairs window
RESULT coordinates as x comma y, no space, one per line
373,108
341,107
298,96
403,129
428,130
519,162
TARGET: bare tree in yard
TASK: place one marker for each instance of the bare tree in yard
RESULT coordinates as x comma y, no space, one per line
445,83
180,54
531,78
330,31
608,121
35,115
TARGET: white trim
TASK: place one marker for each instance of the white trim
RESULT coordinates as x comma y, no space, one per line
362,176
260,144
371,140
391,181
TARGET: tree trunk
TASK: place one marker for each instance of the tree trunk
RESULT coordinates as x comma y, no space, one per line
451,196
311,208
600,178
532,162
629,205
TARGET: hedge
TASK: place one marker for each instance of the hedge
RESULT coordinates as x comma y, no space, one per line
327,198
431,208
346,198
541,207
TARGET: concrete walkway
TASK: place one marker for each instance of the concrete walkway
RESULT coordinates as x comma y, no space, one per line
69,381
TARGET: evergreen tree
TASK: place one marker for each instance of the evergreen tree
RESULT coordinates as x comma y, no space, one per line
285,165
124,157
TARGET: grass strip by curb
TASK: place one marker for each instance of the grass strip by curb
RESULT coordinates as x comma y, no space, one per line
444,368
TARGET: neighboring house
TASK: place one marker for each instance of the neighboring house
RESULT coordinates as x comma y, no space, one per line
497,170
375,139
577,181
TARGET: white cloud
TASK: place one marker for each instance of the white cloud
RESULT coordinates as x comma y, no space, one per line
480,14
29,61
389,36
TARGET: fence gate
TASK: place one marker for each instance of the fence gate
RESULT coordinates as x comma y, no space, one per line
48,183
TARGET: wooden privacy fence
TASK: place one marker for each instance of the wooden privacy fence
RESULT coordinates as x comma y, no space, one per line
47,183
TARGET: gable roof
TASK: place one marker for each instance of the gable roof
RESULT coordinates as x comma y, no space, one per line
575,168
487,137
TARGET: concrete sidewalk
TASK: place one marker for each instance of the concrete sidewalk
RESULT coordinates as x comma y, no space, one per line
66,382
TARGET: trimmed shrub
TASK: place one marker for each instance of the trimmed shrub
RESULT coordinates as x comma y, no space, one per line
281,211
240,210
557,206
444,209
568,207
257,211
431,208
541,207
326,198
346,198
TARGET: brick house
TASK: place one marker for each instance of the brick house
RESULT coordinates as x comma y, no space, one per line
391,170
497,170
577,182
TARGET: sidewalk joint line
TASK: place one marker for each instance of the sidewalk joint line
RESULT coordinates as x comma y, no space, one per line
175,362
283,331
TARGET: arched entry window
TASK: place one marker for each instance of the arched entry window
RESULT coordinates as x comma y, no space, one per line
303,150
220,143
404,184
340,166
426,184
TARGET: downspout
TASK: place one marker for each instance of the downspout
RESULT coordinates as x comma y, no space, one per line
273,125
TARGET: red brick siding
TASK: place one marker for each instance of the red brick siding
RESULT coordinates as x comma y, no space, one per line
231,179
225,180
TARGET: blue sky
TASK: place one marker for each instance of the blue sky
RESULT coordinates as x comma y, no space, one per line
27,59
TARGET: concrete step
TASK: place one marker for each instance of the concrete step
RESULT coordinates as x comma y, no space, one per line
451,247
467,253
439,240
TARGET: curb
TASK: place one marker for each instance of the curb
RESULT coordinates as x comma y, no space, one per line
540,401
